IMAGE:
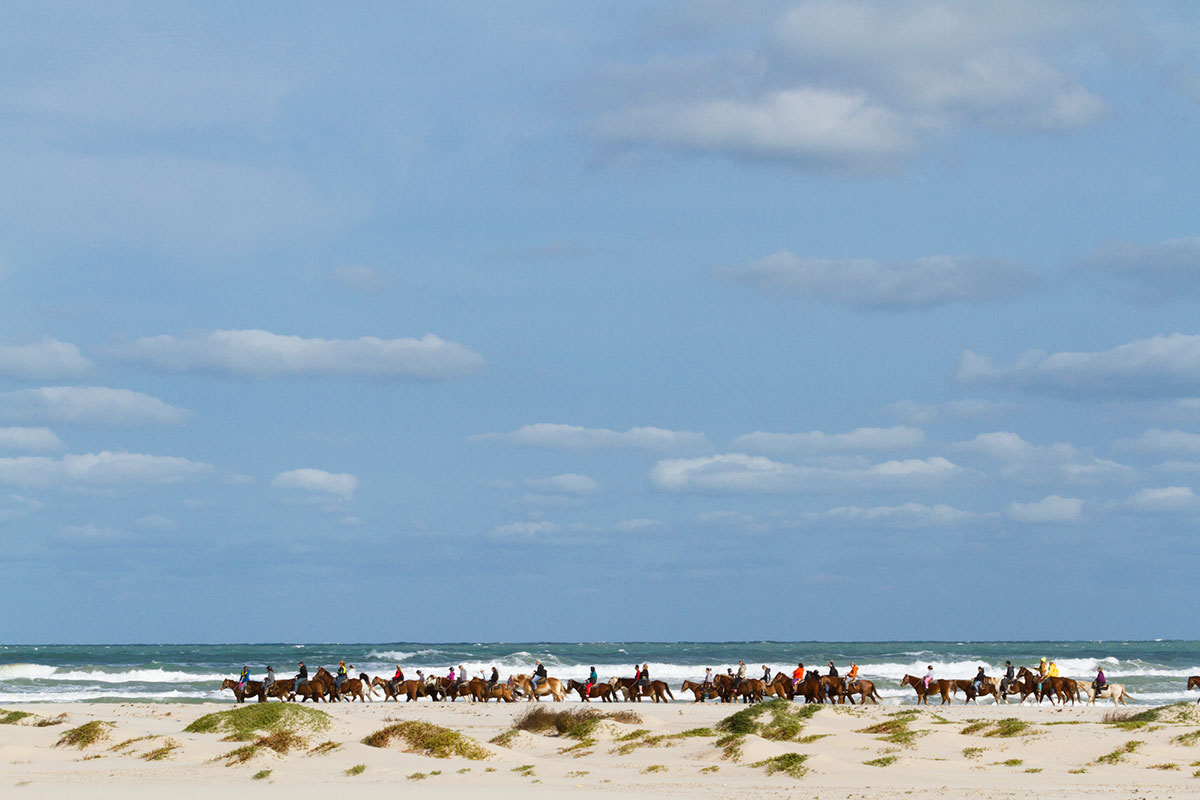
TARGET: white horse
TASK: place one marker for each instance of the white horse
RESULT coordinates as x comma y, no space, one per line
1116,691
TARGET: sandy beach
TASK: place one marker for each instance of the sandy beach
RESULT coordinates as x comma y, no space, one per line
962,750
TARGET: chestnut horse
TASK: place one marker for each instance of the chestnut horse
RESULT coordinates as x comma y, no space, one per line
549,686
602,690
812,687
781,687
865,690
253,689
699,691
479,690
656,690
938,686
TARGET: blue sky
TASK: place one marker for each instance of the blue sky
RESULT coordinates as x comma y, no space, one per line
520,321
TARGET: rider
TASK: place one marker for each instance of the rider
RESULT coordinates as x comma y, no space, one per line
833,673
798,675
451,677
1101,682
642,678
1053,671
462,675
592,680
341,677
708,679
396,680
244,678
269,681
1008,676
741,675
766,678
928,676
980,678
301,676
539,675
853,674
493,680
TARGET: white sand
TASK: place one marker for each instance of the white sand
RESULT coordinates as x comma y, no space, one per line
934,765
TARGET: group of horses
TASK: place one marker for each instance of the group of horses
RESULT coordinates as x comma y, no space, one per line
815,688
1027,684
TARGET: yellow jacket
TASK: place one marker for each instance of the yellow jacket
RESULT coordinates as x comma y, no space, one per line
1053,671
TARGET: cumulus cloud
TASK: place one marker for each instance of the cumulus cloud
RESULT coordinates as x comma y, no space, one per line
1160,366
29,440
1165,500
98,405
338,484
1155,272
857,441
1050,509
567,483
48,359
859,85
877,285
262,354
738,472
1025,462
553,436
103,470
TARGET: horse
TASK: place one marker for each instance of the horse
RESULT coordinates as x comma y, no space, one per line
549,686
781,687
940,686
1116,691
358,687
865,690
252,689
602,690
284,689
701,692
834,687
1194,683
974,690
1052,687
751,690
656,690
388,692
812,687
481,691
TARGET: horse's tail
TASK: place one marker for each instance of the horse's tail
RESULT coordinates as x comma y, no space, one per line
366,682
668,688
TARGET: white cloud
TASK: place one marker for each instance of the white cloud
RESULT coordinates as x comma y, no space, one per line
262,354
865,284
858,440
29,439
738,472
89,405
48,359
359,278
525,530
1157,440
1167,499
14,506
1156,272
99,470
554,436
567,483
1158,366
1049,509
1022,461
339,484
905,516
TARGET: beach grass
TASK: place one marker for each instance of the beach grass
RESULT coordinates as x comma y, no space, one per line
86,734
654,768
262,774
13,717
161,753
243,724
789,763
882,761
324,748
357,769
575,723
786,720
1119,754
505,738
428,739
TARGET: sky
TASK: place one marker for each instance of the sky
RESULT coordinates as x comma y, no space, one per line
534,321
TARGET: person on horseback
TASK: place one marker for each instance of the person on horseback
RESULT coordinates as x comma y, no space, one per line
462,676
244,678
741,675
798,675
853,674
766,678
1101,682
301,676
708,680
1053,671
833,673
642,678
341,677
1008,677
269,681
980,678
539,675
928,677
493,680
397,679
592,680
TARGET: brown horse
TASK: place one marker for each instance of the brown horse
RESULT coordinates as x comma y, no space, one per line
1194,683
834,687
388,692
865,690
1051,687
781,687
479,690
751,690
940,686
252,689
550,686
359,688
812,688
701,692
975,690
655,690
602,690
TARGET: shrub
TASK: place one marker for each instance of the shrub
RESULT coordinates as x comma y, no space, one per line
882,761
262,774
241,724
789,763
428,739
86,734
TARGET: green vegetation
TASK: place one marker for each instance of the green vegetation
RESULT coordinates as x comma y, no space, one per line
786,720
504,739
164,752
12,717
428,739
1012,762
788,763
86,734
525,770
1033,770
654,768
577,773
713,768
238,756
639,733
358,769
117,748
46,722
417,776
895,730
1120,753
731,746
882,761
694,732
242,724
1187,739
1165,766
580,748
972,752
262,774
1078,771
1004,728
575,723
811,738
325,748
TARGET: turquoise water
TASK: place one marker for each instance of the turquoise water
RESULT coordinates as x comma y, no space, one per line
1154,672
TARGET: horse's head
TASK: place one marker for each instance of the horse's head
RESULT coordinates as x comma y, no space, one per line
228,684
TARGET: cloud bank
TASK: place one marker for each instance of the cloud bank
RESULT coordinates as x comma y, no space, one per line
554,436
98,405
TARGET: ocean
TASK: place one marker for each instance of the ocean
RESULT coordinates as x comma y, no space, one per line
1154,672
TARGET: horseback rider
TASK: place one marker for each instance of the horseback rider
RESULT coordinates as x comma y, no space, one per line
766,678
798,675
1008,677
980,678
741,675
539,675
642,678
397,679
708,680
269,681
592,680
462,676
341,677
928,677
493,680
301,676
853,674
1101,683
244,678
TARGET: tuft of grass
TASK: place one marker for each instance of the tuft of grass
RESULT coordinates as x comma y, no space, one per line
710,770
428,739
261,775
416,776
1077,771
46,722
86,734
161,753
12,717
504,739
1012,762
972,752
786,720
1165,766
882,761
1033,770
789,763
731,746
117,748
325,748
1004,728
654,768
243,724
239,755
357,769
1187,739
694,732
578,747
579,773
525,770
282,741
1119,754
975,727
639,733
575,723
811,738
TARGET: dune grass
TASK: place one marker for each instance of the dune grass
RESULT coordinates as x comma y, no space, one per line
12,717
325,748
785,723
86,734
504,739
161,753
882,761
1004,728
357,769
262,774
1119,754
789,763
575,723
243,724
428,739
